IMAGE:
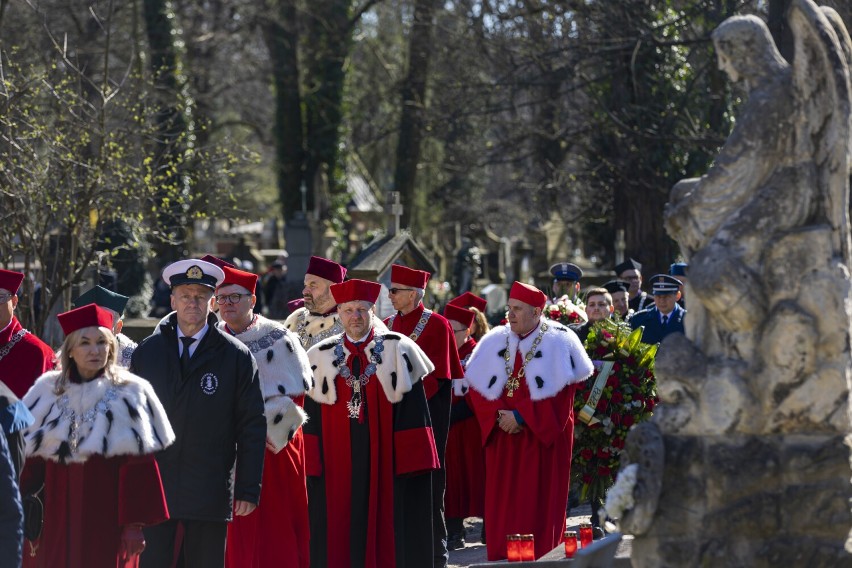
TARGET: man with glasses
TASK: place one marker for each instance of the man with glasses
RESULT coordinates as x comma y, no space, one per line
277,532
433,334
318,318
208,384
631,272
369,445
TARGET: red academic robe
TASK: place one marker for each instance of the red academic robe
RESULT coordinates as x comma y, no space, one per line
437,341
360,470
276,533
86,506
526,489
465,459
29,359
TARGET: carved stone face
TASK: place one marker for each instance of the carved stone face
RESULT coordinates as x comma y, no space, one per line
726,65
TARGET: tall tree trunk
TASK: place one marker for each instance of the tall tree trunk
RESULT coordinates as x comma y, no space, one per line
282,39
170,121
330,38
411,123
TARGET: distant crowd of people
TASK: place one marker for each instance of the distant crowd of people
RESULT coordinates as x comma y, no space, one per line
335,438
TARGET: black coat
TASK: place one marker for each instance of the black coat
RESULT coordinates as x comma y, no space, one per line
216,411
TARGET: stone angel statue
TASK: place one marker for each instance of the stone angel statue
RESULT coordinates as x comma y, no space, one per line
766,234
783,168
761,374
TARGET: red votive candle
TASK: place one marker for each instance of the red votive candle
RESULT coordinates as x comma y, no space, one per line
570,539
513,547
527,547
586,534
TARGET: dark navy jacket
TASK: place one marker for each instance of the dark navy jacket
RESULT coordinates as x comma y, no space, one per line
216,411
654,330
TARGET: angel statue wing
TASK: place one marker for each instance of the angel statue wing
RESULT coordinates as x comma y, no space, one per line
821,84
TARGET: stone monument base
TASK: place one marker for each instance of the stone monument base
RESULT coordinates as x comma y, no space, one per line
750,501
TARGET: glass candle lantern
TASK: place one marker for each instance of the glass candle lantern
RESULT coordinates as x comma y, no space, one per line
570,539
527,547
586,534
513,547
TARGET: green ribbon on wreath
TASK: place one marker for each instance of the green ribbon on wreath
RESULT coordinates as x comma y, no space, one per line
587,414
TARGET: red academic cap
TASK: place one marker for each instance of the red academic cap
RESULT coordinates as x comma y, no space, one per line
239,277
356,290
217,261
409,276
527,294
11,280
468,300
90,315
462,315
325,268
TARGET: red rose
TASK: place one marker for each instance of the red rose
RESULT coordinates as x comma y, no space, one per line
601,351
587,454
587,478
612,381
618,443
616,398
616,367
603,454
628,420
651,403
631,360
616,418
604,471
634,380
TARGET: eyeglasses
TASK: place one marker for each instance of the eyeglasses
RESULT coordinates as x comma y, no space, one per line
396,290
462,330
5,298
230,298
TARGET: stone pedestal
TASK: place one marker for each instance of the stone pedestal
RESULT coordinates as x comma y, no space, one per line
750,501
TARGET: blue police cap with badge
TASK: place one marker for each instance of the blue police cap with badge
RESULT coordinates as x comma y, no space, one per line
566,271
192,271
678,269
665,284
103,298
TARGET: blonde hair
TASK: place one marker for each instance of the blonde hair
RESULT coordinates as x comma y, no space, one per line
74,339
481,322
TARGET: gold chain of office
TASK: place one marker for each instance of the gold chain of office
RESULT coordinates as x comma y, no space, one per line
513,383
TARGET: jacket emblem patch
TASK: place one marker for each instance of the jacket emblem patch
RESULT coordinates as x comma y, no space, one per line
209,383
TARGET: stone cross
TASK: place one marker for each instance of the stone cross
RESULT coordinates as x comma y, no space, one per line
393,208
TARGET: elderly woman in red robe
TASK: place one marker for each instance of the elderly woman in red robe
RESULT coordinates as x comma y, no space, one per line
90,452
